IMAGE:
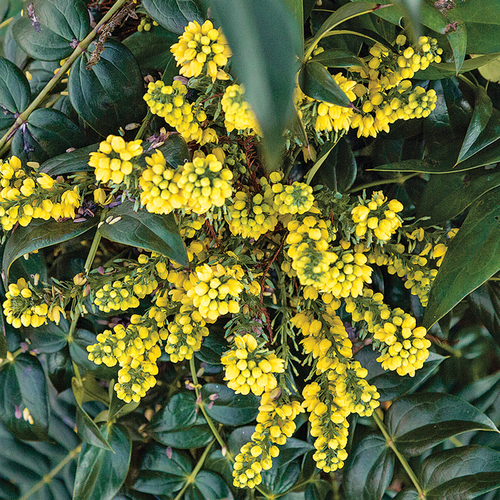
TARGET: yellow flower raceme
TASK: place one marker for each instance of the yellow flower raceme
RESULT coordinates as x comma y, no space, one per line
202,50
238,114
293,199
112,161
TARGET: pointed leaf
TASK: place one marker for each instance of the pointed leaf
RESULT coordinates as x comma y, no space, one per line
228,408
457,37
463,473
407,494
485,304
41,234
174,15
49,338
265,40
418,422
109,95
467,265
278,480
14,93
75,161
22,385
368,471
142,229
101,473
208,486
316,82
338,58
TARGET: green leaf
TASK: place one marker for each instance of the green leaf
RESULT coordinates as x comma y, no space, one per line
485,304
174,15
482,392
407,494
8,491
292,449
466,265
446,197
316,82
75,161
41,72
208,486
265,40
418,422
175,150
152,48
14,93
22,385
55,27
48,133
239,437
3,344
193,437
457,37
49,338
463,473
142,229
489,134
60,369
338,58
109,95
221,464
483,108
390,385
101,473
447,70
88,430
278,480
368,471
163,471
228,408
40,234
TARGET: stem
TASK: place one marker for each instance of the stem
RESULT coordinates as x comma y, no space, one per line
12,357
6,22
190,479
92,251
401,180
82,47
402,459
48,477
144,124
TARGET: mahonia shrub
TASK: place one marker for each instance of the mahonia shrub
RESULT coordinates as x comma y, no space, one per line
186,276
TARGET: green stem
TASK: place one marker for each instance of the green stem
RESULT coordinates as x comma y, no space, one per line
12,357
144,124
6,22
400,180
191,478
48,477
404,462
92,251
82,47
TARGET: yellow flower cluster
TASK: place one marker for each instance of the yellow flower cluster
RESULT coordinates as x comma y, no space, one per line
202,49
238,115
376,217
112,161
297,198
169,102
23,306
275,425
24,197
252,216
249,368
186,332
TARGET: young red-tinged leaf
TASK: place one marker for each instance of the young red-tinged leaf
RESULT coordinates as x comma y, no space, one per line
418,422
161,474
467,264
142,229
23,385
463,473
101,473
369,468
226,407
265,40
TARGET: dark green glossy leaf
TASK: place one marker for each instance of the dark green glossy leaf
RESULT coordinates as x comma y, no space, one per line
109,95
174,15
11,49
88,430
418,422
228,408
446,197
8,491
3,345
221,464
489,134
316,82
22,385
40,73
317,490
49,338
208,486
466,265
75,161
463,473
390,385
368,471
457,37
292,449
338,58
41,234
175,150
163,471
278,480
483,108
60,369
101,473
485,304
265,40
46,133
407,494
14,93
142,229
193,437
152,48
483,392
239,437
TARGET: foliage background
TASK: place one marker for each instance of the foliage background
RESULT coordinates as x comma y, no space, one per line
442,168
